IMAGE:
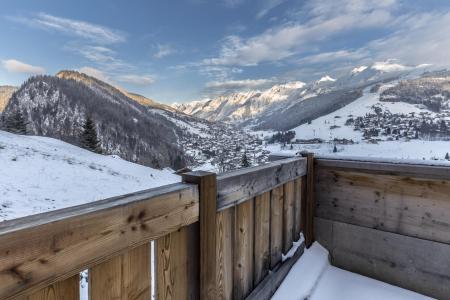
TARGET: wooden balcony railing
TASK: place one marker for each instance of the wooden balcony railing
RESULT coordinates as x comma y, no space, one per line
216,238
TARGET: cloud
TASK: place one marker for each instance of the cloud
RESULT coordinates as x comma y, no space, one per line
228,86
333,56
96,33
163,51
325,19
96,73
141,80
16,66
267,6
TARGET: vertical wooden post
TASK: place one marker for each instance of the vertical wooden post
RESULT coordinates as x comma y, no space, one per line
310,200
206,182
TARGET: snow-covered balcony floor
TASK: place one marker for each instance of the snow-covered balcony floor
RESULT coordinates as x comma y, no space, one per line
312,277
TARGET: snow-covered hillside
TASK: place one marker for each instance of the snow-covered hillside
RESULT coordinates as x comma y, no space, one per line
39,174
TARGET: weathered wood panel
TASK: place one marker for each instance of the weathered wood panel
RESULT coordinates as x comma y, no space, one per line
412,263
207,219
288,215
270,283
303,205
388,168
238,186
400,204
276,225
40,250
125,276
68,289
262,237
310,200
225,246
177,265
297,208
243,250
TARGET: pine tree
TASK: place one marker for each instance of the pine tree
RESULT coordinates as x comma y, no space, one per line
245,163
89,139
447,157
15,123
334,149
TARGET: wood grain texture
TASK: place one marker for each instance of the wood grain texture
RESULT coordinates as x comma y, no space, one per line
411,206
297,208
241,185
207,219
125,277
225,246
288,216
303,205
276,225
243,250
419,265
40,250
177,265
68,289
310,200
262,237
388,168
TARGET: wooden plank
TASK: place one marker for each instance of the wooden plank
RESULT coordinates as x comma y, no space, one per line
419,265
40,250
225,245
243,251
410,206
288,216
68,289
276,225
262,237
238,186
270,284
177,264
310,201
406,168
303,206
297,208
126,276
207,219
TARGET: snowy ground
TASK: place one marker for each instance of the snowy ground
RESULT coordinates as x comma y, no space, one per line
312,277
427,151
39,174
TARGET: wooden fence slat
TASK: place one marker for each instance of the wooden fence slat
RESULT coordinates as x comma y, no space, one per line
207,219
310,200
177,265
125,277
62,243
68,289
262,237
276,225
225,246
288,215
303,205
297,208
243,251
238,186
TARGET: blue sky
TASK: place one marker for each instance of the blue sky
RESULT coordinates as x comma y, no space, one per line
177,51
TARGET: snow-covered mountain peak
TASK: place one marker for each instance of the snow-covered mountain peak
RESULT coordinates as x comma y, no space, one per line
326,78
359,69
388,66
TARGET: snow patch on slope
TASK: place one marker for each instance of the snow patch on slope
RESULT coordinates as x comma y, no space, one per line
326,79
40,174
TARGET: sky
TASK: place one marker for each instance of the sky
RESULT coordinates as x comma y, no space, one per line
179,51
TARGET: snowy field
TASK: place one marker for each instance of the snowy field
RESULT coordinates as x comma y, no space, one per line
312,277
39,174
426,151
